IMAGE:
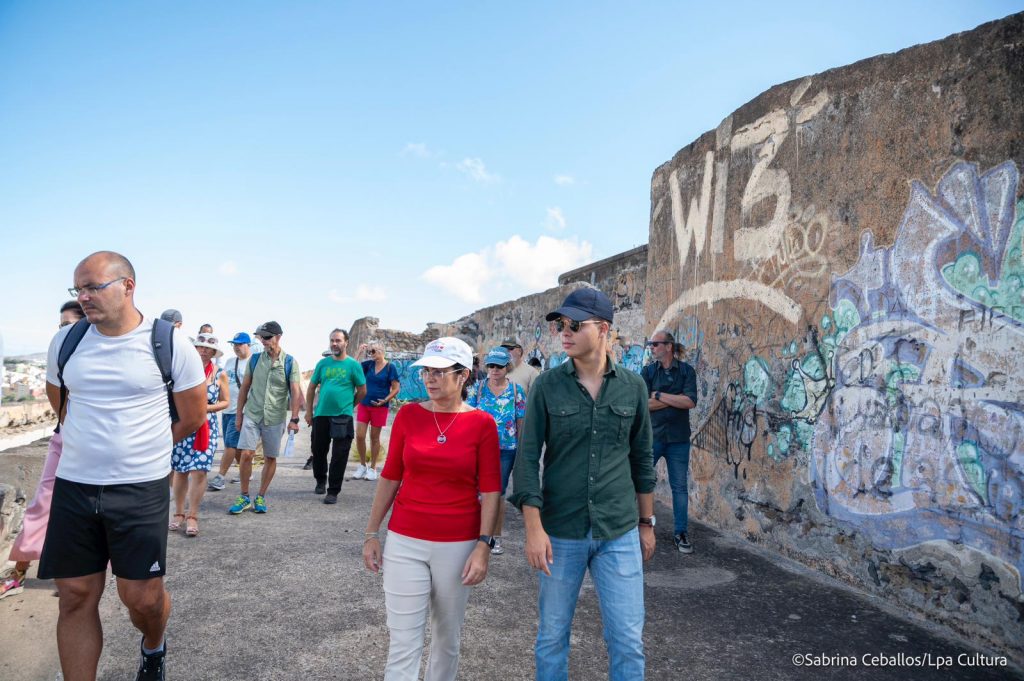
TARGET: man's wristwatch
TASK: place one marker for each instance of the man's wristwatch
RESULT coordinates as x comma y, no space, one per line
657,395
651,521
487,539
295,420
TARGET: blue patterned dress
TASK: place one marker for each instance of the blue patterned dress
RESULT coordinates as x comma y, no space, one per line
185,458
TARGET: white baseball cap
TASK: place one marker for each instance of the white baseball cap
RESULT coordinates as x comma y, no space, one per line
444,352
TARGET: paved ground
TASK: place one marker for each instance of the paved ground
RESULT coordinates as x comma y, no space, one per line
285,596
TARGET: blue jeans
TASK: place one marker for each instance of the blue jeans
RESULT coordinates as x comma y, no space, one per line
677,459
616,567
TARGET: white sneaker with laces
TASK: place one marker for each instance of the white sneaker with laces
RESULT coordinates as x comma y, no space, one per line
371,474
360,472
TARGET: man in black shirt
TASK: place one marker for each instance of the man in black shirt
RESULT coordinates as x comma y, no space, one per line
672,388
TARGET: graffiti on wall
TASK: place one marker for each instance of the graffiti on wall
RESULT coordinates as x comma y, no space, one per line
782,246
926,435
412,388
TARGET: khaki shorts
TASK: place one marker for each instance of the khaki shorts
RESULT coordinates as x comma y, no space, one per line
253,432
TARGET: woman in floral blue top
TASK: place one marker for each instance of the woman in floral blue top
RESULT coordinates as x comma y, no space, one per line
506,402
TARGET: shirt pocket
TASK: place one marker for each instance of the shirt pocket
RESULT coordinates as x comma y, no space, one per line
620,422
563,425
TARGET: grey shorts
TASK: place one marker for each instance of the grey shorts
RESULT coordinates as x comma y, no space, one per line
253,431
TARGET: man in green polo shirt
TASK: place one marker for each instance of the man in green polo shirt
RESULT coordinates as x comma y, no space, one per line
341,383
269,390
590,418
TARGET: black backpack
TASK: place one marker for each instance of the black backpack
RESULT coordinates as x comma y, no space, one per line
162,339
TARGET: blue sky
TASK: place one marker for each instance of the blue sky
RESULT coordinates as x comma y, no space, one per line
316,162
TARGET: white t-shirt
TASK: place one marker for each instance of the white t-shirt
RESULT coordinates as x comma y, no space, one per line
235,380
118,425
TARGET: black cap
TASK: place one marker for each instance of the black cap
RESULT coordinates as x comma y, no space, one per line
269,329
583,304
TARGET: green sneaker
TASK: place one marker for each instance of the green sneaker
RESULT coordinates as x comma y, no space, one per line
259,504
242,503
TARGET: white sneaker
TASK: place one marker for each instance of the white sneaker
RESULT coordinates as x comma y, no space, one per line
360,473
216,483
371,474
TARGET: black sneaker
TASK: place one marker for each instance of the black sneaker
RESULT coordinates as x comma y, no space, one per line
320,488
309,466
151,667
683,544
331,499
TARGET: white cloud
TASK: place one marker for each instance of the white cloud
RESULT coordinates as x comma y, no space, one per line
228,268
510,266
555,221
418,149
463,278
475,168
363,294
564,180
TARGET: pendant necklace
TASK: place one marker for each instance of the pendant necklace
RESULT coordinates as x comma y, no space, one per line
441,439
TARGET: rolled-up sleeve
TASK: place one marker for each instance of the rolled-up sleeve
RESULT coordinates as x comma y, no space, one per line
526,473
641,448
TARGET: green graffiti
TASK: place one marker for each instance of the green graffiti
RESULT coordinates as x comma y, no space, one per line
794,396
757,382
970,460
967,276
899,444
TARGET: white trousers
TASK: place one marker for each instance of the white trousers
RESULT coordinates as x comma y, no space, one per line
422,576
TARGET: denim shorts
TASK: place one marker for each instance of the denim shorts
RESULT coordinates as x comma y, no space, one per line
230,432
508,458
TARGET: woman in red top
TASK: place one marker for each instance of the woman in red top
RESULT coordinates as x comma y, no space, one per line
444,478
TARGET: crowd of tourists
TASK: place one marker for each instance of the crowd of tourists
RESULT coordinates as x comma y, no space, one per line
140,403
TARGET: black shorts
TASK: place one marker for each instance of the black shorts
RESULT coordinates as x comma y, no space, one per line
93,524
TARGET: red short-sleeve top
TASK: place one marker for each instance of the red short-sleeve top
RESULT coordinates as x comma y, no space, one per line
438,499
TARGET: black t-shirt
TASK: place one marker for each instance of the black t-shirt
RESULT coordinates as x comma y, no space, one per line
671,424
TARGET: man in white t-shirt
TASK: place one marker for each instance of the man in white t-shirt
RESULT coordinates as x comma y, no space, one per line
110,499
236,369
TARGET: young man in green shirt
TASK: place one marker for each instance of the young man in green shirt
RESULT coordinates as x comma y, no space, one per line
595,509
341,383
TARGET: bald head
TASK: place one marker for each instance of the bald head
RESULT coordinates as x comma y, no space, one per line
111,262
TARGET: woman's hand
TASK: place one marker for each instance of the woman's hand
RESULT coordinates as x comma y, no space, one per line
475,569
372,555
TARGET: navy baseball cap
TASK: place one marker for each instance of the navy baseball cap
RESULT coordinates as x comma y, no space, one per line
583,304
241,339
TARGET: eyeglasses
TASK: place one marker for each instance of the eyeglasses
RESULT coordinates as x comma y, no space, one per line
92,289
435,374
573,325
371,351
653,343
266,338
206,338
496,366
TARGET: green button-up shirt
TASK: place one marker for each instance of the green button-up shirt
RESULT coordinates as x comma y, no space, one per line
267,401
598,454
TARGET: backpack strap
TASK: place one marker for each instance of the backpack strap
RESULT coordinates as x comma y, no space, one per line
162,339
238,381
67,348
288,361
252,362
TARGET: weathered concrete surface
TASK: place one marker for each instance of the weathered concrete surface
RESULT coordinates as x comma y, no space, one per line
844,255
285,596
20,469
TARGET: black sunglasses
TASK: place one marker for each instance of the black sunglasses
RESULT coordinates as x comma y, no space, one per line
653,343
495,366
573,325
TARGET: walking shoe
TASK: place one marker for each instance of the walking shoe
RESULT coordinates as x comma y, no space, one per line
309,465
216,483
242,503
498,548
683,544
234,481
13,583
360,472
320,488
151,667
259,504
371,474
331,499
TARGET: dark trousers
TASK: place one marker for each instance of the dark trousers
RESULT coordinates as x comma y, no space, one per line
320,442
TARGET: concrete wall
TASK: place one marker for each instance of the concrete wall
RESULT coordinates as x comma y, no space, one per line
844,256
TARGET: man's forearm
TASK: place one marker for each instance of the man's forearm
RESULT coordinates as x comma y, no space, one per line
531,518
644,502
677,401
